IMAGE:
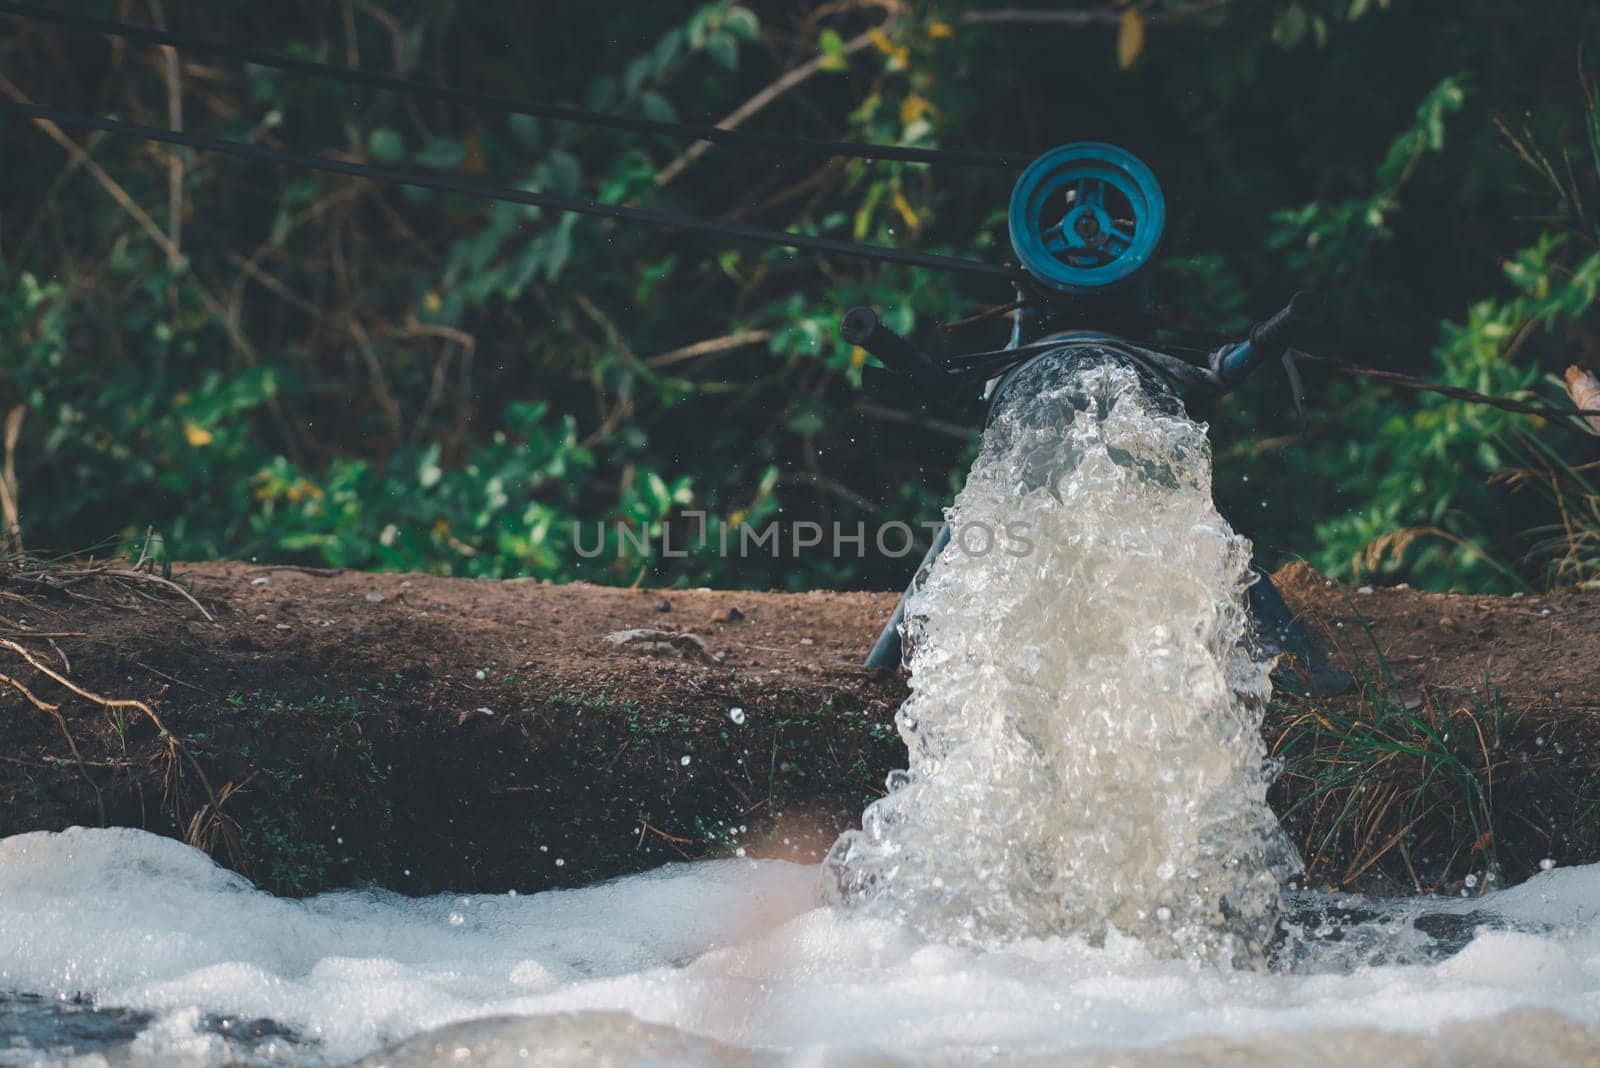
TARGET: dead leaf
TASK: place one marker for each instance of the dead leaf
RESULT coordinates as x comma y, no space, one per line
1584,389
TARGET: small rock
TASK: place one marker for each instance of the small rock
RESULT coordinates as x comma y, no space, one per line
720,656
262,618
322,622
264,580
283,626
730,614
1447,623
1365,589
375,597
663,605
807,641
654,642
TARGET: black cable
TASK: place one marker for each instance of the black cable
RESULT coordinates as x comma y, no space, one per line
511,105
554,201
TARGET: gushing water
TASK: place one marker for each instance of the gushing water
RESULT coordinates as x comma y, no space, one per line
1084,723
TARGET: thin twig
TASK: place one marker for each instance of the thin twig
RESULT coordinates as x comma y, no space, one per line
707,347
145,576
1422,385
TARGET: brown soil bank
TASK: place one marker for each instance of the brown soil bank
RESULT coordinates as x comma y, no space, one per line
324,729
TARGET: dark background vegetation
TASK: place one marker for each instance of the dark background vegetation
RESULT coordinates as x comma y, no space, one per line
267,364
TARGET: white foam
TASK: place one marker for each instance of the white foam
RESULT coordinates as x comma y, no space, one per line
736,951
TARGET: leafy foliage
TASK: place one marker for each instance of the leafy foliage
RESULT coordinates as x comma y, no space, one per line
308,368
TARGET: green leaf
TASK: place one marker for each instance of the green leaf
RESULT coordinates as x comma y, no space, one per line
386,145
667,51
442,154
657,107
831,45
724,51
525,131
565,173
741,22
635,76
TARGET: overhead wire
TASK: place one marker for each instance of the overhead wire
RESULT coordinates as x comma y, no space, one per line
552,201
512,105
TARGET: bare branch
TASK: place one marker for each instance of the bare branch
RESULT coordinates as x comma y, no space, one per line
707,347
750,107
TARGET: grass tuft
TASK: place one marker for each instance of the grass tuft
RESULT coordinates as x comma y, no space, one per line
1443,792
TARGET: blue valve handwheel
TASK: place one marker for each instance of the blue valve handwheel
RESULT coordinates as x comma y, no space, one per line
1086,216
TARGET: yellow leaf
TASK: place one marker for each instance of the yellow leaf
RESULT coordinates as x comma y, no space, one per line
914,107
900,58
903,206
858,356
475,163
880,41
431,301
301,490
940,29
1130,38
196,434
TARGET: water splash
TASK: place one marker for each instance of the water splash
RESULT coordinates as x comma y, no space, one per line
1084,723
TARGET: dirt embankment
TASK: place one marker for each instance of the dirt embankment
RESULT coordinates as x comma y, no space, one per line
325,729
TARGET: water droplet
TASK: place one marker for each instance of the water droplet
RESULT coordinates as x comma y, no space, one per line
456,919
